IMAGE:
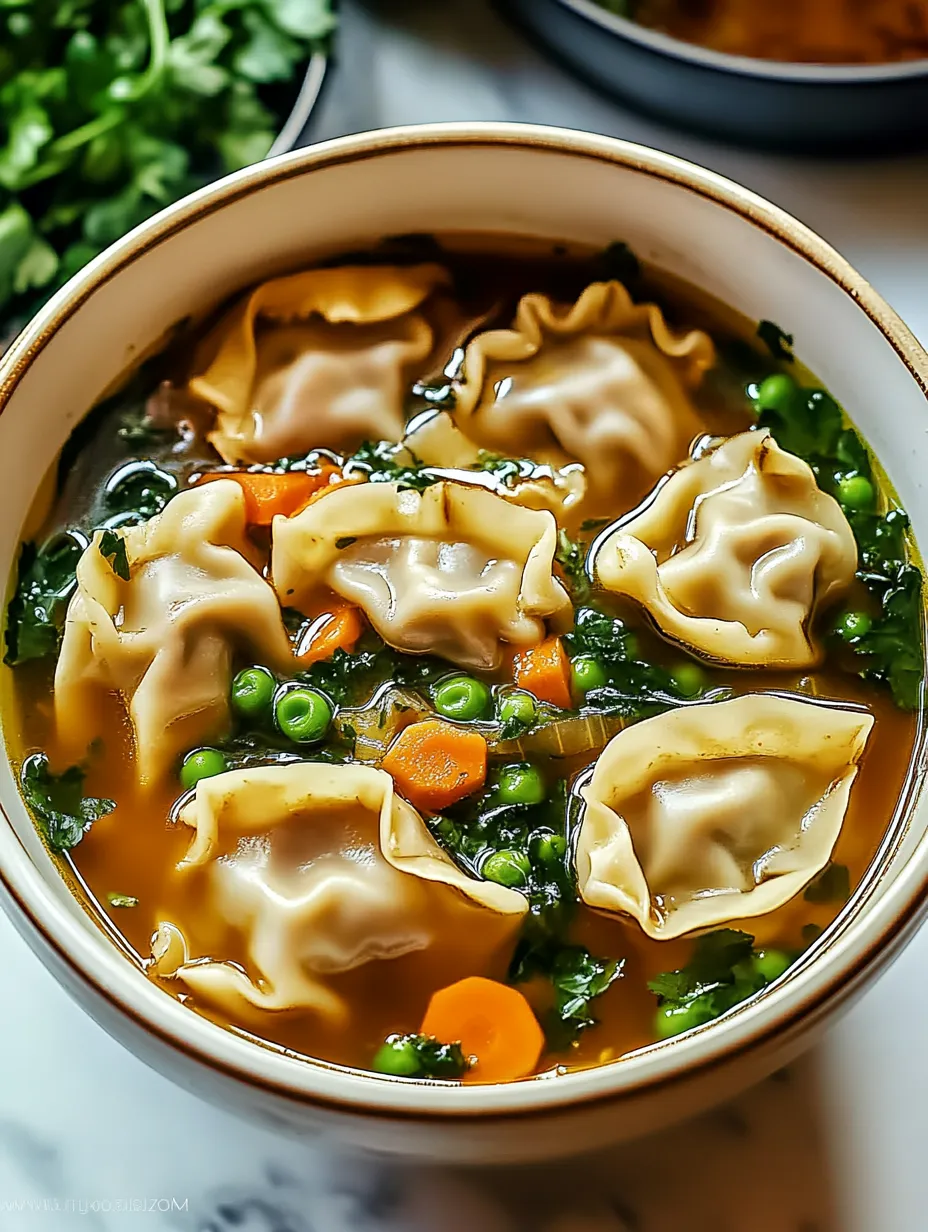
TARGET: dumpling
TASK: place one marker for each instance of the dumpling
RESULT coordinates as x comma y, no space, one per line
735,555
317,359
164,639
713,813
603,381
434,440
318,869
453,571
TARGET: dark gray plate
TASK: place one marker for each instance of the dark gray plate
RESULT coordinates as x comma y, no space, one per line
289,135
849,109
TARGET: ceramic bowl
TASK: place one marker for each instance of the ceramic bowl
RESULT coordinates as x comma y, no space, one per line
840,108
494,178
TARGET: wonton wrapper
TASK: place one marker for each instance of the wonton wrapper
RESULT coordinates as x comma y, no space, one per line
735,555
714,813
453,571
164,639
317,359
321,869
435,441
602,382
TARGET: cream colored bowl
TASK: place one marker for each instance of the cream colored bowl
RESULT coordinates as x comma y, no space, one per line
495,178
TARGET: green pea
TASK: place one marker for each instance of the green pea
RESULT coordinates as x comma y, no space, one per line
550,848
856,492
587,673
398,1057
771,964
518,707
253,692
521,783
852,625
303,715
673,1020
776,392
631,646
689,678
462,698
201,764
508,868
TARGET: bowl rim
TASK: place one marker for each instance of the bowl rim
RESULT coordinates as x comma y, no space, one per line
747,66
865,941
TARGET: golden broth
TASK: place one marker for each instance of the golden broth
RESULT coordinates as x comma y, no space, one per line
134,850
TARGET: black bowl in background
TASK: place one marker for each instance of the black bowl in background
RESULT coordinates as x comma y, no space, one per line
806,107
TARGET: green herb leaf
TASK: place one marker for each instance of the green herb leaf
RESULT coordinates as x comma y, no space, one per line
45,583
777,342
571,556
715,956
426,1057
832,885
58,803
113,548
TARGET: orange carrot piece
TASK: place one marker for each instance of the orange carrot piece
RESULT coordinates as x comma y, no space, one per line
435,764
491,1022
544,671
269,493
336,629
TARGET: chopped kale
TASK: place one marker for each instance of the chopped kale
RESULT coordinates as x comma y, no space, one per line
378,460
420,1056
777,342
577,977
122,900
571,556
45,583
832,885
715,957
58,802
113,549
889,648
724,970
138,487
633,688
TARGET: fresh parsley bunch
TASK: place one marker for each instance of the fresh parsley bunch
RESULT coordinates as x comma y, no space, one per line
112,109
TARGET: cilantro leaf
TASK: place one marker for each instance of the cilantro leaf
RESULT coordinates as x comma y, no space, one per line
715,956
576,977
57,802
571,556
113,548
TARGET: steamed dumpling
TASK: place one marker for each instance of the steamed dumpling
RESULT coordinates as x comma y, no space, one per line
434,440
163,640
317,359
453,571
319,869
714,813
735,555
603,381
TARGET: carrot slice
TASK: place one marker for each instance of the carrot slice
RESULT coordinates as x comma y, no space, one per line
492,1022
545,672
336,629
268,493
434,764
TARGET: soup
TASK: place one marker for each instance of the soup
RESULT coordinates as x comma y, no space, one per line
461,662
816,31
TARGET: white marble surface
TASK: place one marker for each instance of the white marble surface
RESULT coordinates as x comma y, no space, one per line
837,1145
